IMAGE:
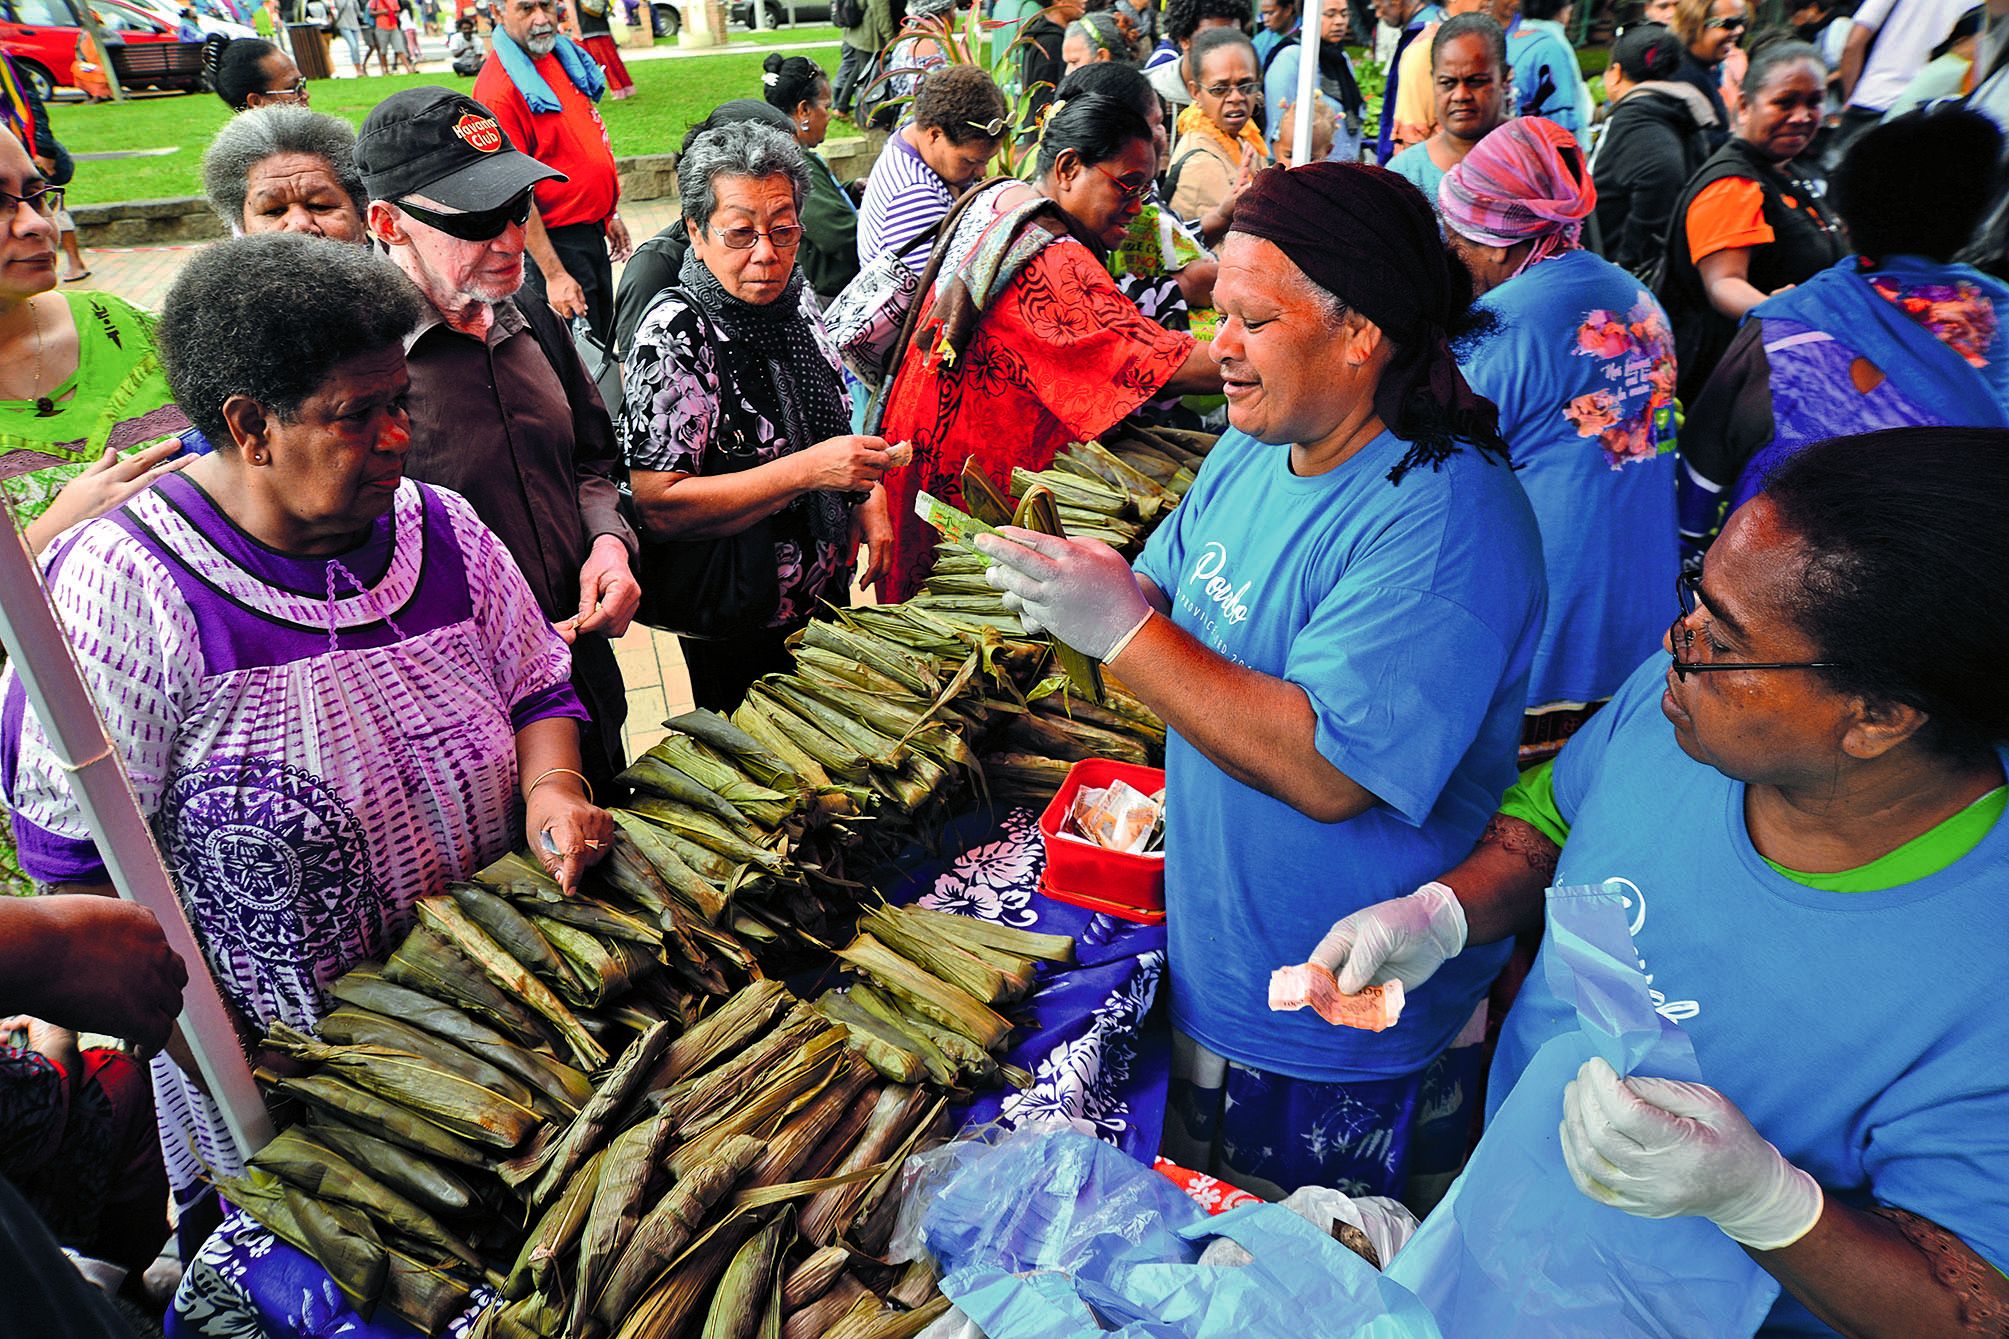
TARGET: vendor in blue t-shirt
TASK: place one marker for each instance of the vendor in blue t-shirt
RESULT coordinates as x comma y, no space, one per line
1336,624
1818,872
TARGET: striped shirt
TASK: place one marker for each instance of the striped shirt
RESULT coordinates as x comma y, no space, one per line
903,197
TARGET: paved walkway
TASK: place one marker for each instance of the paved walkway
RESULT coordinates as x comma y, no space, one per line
651,663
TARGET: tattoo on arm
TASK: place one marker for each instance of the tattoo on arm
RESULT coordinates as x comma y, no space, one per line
1981,1292
1524,840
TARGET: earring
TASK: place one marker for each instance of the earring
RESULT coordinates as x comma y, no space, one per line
802,125
258,457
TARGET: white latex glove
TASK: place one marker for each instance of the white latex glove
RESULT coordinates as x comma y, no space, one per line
1404,939
1080,590
1659,1148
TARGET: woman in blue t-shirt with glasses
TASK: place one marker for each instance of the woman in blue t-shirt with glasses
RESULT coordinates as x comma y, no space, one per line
1821,870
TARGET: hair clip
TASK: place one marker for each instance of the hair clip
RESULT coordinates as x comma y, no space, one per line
1047,114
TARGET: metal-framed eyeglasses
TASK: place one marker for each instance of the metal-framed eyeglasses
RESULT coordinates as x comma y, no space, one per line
1246,87
1688,593
46,202
746,239
990,129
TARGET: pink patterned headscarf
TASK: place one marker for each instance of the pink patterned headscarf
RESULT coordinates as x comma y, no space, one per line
1526,181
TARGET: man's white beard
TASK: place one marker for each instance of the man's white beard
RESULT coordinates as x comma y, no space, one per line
541,45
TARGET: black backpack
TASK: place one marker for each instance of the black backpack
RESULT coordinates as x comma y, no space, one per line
847,13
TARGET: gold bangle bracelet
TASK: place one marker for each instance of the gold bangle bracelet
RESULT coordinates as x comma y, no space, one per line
546,775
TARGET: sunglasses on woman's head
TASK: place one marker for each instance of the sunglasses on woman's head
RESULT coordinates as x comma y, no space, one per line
990,129
476,225
1732,24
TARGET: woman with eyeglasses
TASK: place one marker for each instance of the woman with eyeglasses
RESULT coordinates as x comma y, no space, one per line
1751,223
1044,350
1710,31
1803,800
1219,145
250,72
798,88
736,423
80,383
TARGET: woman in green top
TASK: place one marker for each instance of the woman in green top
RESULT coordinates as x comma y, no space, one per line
79,379
829,252
1800,802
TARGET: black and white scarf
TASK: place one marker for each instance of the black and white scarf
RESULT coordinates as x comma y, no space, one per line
779,372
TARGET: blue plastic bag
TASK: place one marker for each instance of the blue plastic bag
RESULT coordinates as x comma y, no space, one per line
1054,1199
1515,1249
1056,1235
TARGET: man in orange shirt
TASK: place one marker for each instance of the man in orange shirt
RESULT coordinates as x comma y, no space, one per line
542,85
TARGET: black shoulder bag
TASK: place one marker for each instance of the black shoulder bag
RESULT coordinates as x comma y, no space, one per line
719,588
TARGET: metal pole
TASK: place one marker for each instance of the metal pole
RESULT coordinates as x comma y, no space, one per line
57,694
1307,81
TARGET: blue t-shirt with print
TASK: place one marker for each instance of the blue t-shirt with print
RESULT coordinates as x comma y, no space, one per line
1407,613
1864,1034
1582,368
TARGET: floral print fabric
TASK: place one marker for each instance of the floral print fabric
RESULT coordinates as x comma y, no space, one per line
1637,351
1958,314
1060,355
676,419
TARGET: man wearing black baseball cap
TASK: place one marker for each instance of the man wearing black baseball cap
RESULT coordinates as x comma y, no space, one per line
502,411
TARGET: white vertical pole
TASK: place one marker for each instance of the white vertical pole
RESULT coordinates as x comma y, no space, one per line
42,657
1307,81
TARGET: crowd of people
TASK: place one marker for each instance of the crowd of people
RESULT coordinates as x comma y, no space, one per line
343,534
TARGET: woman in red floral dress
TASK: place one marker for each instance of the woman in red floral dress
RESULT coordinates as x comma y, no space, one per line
1024,342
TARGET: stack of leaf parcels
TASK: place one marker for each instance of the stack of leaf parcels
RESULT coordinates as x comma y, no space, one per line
602,1107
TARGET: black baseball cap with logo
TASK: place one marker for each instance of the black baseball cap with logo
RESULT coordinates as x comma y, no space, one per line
445,146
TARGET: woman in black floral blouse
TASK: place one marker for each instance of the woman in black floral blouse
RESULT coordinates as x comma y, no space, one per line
736,418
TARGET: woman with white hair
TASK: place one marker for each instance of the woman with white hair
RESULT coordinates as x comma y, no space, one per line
286,169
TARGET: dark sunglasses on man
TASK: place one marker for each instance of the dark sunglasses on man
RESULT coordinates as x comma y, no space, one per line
480,225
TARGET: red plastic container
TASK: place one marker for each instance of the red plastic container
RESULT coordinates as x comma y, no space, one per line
1083,874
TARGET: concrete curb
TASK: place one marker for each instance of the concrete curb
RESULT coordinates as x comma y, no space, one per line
184,219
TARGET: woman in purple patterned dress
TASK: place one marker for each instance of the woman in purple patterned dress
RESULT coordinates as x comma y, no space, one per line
330,684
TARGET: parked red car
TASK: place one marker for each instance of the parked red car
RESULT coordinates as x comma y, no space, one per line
41,36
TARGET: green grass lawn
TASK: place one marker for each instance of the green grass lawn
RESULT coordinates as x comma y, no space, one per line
670,95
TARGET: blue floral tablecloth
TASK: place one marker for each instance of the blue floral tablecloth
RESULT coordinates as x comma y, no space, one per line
1088,1037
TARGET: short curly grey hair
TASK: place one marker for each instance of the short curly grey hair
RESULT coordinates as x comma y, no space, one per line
248,139
741,149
